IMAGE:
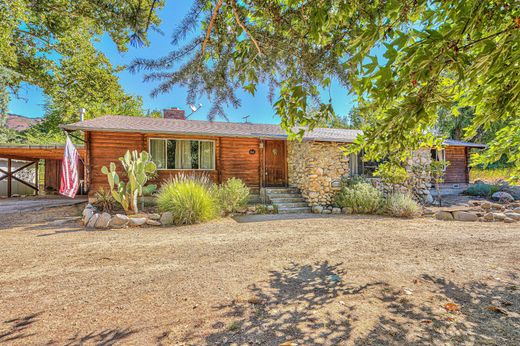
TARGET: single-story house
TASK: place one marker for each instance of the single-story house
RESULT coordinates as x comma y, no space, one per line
258,154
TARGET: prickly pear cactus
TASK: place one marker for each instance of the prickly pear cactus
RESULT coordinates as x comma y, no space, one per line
139,168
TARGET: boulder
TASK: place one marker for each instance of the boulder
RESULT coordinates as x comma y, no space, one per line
92,222
118,221
317,209
428,199
499,216
444,215
336,210
154,216
488,217
464,216
166,218
502,196
509,220
486,205
136,221
87,215
153,222
513,216
326,211
103,220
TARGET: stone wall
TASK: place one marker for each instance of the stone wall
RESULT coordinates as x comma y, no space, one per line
419,181
316,168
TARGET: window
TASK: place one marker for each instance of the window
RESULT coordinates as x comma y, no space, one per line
440,155
183,154
358,167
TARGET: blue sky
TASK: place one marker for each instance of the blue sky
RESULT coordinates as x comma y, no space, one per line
258,107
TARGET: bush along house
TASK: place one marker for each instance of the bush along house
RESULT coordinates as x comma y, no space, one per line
293,175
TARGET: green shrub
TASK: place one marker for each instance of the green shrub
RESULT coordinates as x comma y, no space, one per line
401,205
360,197
232,195
189,201
482,190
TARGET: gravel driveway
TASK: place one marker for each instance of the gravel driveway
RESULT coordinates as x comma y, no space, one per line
337,280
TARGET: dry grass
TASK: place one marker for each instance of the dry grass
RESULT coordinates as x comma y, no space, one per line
322,281
490,175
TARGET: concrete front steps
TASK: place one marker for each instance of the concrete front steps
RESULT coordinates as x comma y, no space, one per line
288,200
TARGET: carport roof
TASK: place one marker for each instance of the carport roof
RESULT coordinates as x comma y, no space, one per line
34,152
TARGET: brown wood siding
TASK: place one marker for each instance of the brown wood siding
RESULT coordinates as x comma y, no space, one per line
232,158
106,147
236,161
457,171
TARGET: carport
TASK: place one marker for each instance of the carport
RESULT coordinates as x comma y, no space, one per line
19,165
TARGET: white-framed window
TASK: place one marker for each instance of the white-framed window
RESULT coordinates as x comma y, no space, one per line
192,154
440,155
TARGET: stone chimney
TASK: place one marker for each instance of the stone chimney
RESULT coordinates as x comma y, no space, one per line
174,113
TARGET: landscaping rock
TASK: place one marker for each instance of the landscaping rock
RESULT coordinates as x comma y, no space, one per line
509,220
499,216
103,220
153,222
92,222
154,216
136,221
488,217
502,196
119,221
464,216
444,215
87,215
166,218
513,216
317,209
336,210
326,211
486,205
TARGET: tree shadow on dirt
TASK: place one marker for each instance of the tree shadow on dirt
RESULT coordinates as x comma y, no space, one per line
106,337
315,305
17,328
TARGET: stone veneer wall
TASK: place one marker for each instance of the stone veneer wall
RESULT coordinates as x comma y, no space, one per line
316,168
419,181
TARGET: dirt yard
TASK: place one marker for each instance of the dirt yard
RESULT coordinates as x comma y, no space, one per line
337,280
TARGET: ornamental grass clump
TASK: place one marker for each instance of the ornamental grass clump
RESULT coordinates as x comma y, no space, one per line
361,198
232,196
402,205
190,199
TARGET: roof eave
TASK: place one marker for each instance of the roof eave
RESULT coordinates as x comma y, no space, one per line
207,134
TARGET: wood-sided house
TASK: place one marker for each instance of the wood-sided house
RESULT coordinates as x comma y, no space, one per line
258,154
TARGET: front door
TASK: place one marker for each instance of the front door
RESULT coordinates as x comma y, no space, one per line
275,163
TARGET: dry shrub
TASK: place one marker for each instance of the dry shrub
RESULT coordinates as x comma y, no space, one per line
402,205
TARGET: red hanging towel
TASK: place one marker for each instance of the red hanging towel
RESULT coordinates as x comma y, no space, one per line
69,170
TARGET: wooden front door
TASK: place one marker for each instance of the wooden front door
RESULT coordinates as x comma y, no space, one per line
275,163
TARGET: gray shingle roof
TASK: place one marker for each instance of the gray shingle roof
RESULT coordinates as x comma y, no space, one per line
456,143
119,123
